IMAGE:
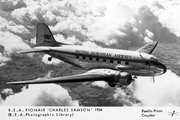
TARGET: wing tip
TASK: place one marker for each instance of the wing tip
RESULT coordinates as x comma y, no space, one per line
16,83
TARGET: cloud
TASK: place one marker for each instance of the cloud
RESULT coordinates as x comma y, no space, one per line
4,58
27,15
12,27
116,24
164,91
8,6
33,41
90,44
1,99
59,38
68,39
38,11
100,84
125,96
12,42
41,95
122,97
2,64
149,34
9,41
147,40
168,15
7,91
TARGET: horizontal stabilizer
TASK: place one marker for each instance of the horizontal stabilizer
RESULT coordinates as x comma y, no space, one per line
148,48
36,49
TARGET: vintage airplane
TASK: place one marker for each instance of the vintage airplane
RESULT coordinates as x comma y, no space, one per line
114,66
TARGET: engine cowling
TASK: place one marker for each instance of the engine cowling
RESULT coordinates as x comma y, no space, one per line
120,78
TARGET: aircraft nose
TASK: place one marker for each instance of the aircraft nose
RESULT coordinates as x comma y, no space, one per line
162,66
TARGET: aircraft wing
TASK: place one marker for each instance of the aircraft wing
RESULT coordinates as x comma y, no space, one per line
93,75
148,48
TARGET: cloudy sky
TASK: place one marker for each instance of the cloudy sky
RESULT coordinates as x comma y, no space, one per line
95,23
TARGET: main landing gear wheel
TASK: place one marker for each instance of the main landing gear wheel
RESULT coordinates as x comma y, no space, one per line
112,84
49,58
135,77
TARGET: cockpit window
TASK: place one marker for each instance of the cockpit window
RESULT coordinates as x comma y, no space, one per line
153,61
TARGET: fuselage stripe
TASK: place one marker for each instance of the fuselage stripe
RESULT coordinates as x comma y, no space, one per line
99,57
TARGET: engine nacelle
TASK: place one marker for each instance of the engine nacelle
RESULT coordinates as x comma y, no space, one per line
124,78
114,77
120,78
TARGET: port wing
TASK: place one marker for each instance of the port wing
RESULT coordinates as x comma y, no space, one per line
93,75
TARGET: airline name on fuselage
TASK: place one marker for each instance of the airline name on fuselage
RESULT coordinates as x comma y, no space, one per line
103,54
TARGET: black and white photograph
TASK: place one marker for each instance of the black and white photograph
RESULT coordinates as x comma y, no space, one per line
90,55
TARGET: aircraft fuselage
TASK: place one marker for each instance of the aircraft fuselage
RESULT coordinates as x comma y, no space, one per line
140,64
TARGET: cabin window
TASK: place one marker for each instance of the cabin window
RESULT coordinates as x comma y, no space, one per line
104,60
97,59
111,61
77,57
147,62
84,57
90,58
119,62
126,63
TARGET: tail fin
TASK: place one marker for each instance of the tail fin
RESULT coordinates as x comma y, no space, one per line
148,48
44,36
